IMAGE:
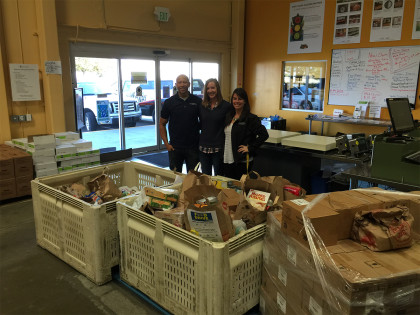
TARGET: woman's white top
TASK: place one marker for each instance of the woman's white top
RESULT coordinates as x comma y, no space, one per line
228,155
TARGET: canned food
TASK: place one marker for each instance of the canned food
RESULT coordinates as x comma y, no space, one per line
207,201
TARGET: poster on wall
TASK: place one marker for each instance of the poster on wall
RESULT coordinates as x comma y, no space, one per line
348,21
24,79
387,20
306,26
416,21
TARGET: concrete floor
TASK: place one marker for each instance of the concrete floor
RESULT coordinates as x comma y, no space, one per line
33,281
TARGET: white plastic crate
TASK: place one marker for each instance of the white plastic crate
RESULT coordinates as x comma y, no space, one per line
185,273
83,235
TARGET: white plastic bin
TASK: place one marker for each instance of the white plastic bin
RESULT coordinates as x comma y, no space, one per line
83,235
185,273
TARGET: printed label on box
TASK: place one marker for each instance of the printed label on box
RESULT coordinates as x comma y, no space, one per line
314,307
282,275
300,202
281,302
291,254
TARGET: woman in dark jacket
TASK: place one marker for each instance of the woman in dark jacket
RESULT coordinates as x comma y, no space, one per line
212,117
244,134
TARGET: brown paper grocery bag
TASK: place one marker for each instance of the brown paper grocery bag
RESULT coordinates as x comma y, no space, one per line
383,229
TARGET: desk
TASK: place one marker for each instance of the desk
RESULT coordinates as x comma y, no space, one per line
297,165
347,120
362,172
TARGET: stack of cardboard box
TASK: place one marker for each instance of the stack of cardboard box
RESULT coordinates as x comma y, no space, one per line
16,172
74,153
312,266
42,149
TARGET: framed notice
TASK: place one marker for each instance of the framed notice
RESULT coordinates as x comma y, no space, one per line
24,79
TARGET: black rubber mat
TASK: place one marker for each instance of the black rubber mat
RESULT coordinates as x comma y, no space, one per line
160,159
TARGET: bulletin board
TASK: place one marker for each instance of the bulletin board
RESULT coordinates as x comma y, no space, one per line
373,74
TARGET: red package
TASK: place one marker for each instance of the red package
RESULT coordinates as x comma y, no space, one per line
293,189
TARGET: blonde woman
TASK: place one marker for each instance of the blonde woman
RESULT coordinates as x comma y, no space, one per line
212,117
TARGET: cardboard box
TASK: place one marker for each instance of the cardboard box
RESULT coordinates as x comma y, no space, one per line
278,299
65,157
322,217
43,152
67,135
7,166
45,166
65,149
47,172
32,147
42,140
358,280
82,144
7,188
23,164
20,143
43,159
23,186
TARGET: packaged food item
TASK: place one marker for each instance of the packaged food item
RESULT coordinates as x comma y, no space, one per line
161,204
258,199
211,200
93,198
174,216
240,226
162,193
295,190
126,191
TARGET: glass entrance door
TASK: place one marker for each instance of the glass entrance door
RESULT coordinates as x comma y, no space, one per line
141,82
98,79
102,92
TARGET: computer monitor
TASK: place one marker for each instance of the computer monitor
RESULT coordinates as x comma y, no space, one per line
400,113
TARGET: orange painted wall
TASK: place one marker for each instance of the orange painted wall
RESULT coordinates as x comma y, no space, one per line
266,39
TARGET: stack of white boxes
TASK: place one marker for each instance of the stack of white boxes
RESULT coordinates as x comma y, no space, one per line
58,153
20,143
42,150
73,153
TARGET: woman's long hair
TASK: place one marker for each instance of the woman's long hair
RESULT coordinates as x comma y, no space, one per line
241,93
206,99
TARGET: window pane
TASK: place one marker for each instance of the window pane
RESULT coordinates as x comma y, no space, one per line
97,77
202,71
303,85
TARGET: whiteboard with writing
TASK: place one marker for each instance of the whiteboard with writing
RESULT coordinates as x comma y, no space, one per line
373,74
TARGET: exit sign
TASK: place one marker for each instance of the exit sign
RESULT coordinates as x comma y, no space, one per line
162,14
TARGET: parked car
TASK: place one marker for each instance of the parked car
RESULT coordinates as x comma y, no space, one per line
298,97
101,106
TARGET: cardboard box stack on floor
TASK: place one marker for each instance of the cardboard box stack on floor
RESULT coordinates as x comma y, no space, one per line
58,153
342,277
73,153
42,149
16,172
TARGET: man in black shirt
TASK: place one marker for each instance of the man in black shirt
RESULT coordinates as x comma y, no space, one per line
181,110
